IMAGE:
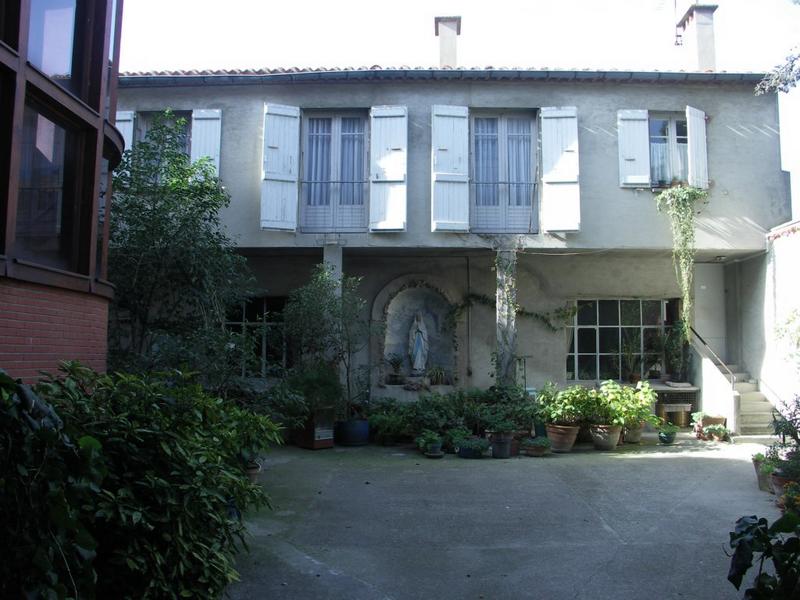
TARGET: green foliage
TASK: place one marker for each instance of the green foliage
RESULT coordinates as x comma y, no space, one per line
388,420
475,444
566,407
175,269
135,494
396,362
436,375
282,404
537,442
719,431
554,320
667,427
454,436
680,204
790,499
327,322
318,383
779,544
782,78
428,438
676,350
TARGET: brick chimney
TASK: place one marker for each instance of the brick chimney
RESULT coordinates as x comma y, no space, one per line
697,27
447,29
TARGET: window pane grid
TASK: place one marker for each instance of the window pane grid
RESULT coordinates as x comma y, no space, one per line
615,339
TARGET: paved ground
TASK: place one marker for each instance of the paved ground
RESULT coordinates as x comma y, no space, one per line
374,523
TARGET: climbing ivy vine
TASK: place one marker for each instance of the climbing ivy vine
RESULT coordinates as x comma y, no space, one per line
553,320
680,203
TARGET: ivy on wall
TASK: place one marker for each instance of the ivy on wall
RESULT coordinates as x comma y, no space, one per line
553,320
680,204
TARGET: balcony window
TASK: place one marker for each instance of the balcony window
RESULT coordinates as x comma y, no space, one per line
334,183
52,41
48,211
502,173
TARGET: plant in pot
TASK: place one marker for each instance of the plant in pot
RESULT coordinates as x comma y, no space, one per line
436,375
430,443
607,414
501,430
667,432
453,437
787,470
759,461
538,446
701,420
395,361
473,447
790,499
718,433
562,412
638,409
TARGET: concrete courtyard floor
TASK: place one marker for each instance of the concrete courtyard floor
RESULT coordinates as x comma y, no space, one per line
643,521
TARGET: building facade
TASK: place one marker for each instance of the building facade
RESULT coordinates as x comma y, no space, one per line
418,180
58,145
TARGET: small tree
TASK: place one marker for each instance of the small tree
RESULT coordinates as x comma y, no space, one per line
175,269
325,325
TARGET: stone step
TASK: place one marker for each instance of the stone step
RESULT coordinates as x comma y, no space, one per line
745,387
753,396
755,420
732,367
741,376
754,430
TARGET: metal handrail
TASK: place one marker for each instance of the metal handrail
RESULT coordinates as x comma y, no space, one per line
716,356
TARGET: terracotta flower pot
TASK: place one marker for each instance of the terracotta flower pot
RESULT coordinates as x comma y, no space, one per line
605,437
535,450
562,437
633,435
777,482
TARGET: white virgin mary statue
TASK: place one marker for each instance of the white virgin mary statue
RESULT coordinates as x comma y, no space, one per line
418,345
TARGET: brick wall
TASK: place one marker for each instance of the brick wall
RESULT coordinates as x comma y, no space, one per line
41,325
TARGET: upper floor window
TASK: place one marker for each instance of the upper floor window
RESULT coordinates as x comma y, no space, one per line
334,183
658,149
201,127
669,150
502,172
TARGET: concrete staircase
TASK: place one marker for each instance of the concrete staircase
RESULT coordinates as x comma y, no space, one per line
755,411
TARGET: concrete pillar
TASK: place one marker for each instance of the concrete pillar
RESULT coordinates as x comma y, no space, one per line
332,257
506,317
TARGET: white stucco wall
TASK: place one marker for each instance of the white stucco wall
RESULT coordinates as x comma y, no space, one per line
747,198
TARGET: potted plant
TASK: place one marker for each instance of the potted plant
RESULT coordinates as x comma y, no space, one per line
787,470
667,432
607,414
639,412
562,411
538,446
395,361
790,499
501,433
454,436
436,375
718,433
430,443
473,447
759,461
701,420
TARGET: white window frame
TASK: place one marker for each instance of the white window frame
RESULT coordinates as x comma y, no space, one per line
503,188
335,167
675,159
573,331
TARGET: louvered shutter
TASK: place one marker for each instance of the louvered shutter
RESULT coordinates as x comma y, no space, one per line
206,129
387,181
450,168
281,164
561,200
633,136
698,158
124,124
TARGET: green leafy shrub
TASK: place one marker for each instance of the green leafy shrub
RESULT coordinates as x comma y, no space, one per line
567,407
537,442
136,486
427,439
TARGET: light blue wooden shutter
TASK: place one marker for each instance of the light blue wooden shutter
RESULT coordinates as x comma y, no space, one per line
281,165
698,158
561,199
206,129
387,181
633,136
450,168
124,124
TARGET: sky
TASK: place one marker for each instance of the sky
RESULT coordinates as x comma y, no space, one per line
751,35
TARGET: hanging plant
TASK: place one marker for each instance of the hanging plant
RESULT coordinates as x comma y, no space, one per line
681,205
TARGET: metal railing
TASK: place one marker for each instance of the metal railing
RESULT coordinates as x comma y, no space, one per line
715,356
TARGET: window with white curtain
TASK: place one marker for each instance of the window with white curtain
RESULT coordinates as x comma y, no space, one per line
669,143
503,161
334,183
